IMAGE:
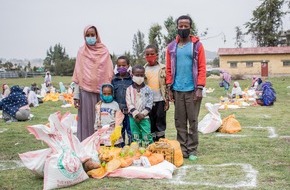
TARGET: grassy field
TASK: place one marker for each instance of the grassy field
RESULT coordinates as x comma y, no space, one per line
259,158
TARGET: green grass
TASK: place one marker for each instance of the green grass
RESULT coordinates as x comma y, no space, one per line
219,158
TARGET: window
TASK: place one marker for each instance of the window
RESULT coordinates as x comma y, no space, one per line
233,64
286,63
249,64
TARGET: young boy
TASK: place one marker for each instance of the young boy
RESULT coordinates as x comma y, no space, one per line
108,113
139,99
155,75
121,81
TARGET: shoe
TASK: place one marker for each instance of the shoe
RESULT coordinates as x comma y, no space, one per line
185,155
192,158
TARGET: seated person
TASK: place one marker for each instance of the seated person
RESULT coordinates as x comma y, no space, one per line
236,90
15,106
35,88
31,97
254,82
6,90
62,87
259,88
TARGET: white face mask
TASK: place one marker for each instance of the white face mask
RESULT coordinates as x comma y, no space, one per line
138,80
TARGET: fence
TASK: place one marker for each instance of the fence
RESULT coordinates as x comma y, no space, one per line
9,74
21,74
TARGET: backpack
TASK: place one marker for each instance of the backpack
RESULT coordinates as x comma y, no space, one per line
269,94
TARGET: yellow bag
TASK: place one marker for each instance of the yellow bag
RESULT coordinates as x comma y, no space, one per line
178,156
98,173
170,149
230,125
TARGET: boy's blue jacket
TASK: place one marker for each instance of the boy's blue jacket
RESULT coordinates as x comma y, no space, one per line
120,87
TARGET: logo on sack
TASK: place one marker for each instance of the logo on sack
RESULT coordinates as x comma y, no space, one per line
69,164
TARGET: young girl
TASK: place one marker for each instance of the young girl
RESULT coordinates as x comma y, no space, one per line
108,113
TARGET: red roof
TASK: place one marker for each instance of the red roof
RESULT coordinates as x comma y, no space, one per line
254,51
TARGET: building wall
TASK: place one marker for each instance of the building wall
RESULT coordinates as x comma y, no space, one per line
275,64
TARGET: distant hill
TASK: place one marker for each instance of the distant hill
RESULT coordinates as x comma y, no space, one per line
23,62
210,55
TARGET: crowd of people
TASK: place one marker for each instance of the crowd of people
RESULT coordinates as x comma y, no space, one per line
15,102
263,92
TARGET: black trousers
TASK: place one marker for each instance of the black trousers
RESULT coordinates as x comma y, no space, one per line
158,120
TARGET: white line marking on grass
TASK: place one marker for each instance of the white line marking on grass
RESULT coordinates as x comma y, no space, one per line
10,164
284,136
3,130
271,131
249,181
229,135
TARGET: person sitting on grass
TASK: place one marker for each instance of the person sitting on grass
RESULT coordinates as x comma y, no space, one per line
236,91
6,90
15,107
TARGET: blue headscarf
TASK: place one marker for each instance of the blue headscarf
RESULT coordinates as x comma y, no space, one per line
14,101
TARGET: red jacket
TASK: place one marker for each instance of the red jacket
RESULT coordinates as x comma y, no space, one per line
199,63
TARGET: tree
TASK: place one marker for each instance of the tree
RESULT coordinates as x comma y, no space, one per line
171,29
55,57
266,23
214,63
114,58
156,38
239,37
8,65
29,66
138,48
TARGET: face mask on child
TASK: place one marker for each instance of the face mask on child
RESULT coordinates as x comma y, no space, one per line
151,59
138,80
122,70
107,99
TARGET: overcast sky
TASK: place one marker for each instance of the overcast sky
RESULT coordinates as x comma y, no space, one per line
29,27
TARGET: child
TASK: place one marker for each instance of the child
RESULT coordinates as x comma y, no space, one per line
108,113
236,91
155,75
139,99
121,81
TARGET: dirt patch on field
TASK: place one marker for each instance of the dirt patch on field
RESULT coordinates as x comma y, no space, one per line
287,139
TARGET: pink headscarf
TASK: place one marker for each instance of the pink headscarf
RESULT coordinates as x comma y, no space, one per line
226,76
93,66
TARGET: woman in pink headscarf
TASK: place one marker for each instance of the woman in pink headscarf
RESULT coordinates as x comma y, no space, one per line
226,80
93,68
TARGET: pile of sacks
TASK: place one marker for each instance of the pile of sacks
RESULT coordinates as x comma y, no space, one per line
213,122
61,164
